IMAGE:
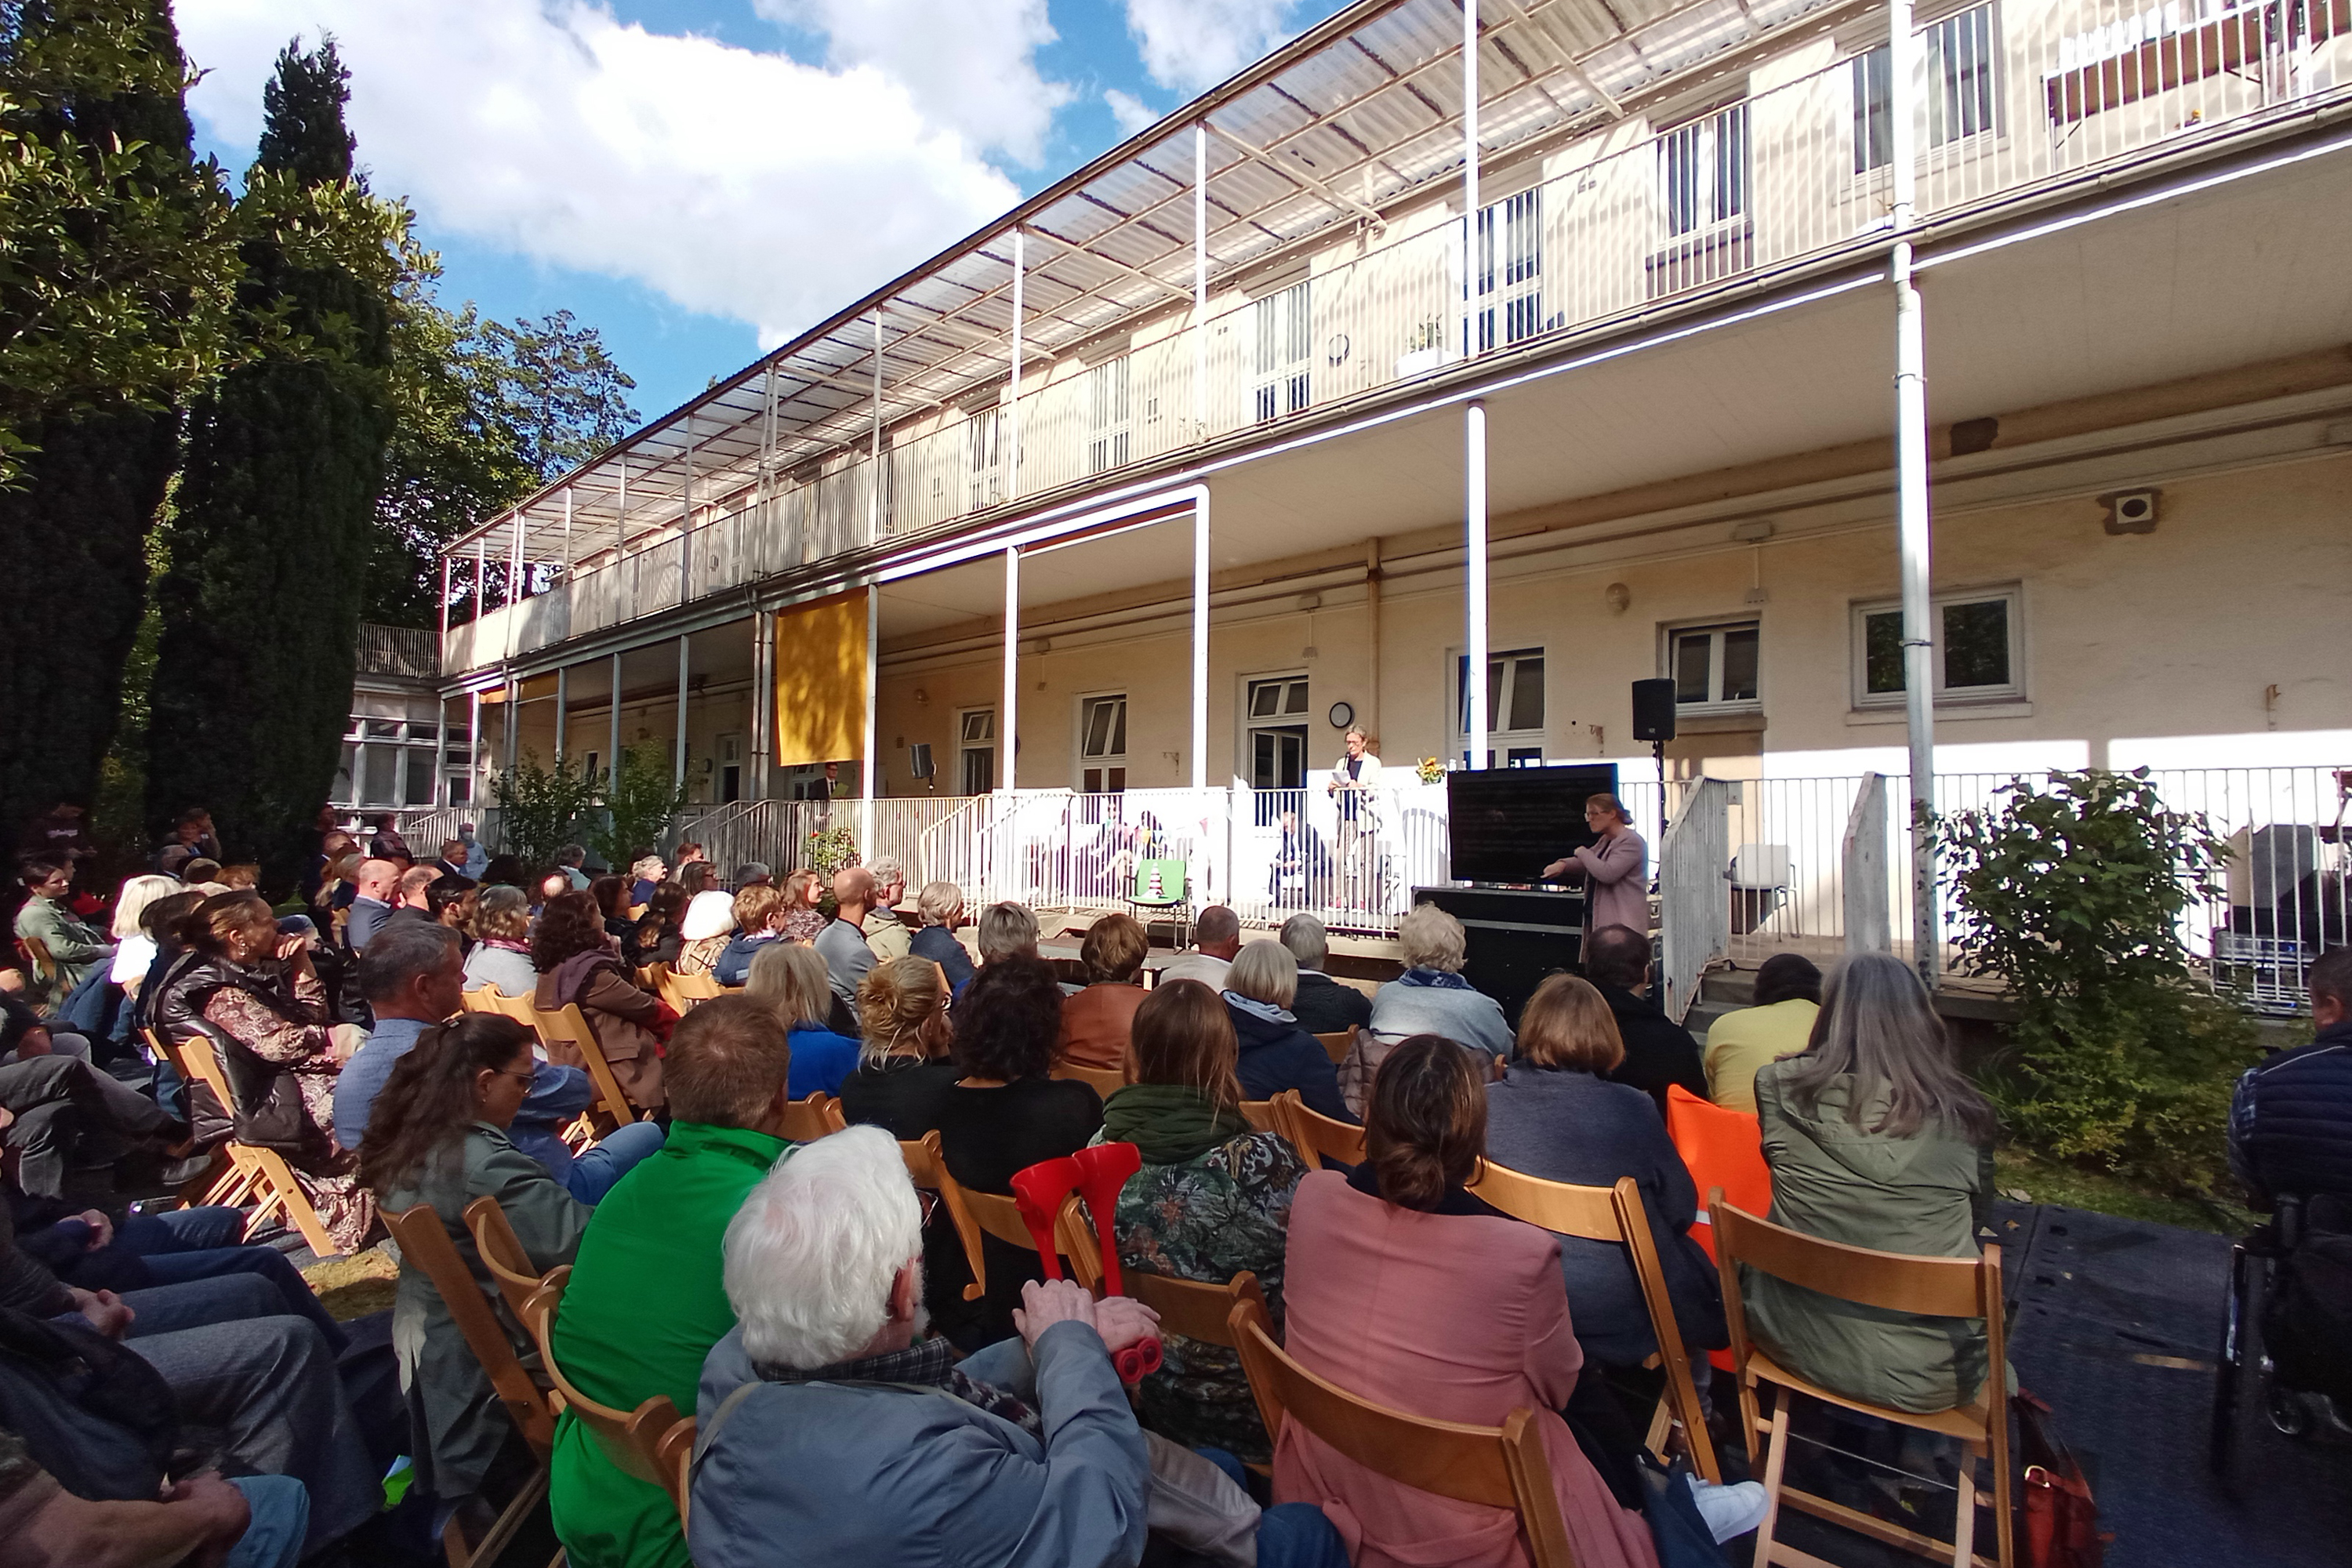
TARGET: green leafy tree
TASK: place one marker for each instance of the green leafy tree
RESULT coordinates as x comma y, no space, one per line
639,808
2074,893
260,607
542,809
118,265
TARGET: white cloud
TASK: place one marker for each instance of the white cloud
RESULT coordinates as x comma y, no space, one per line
969,64
734,182
1189,45
1131,112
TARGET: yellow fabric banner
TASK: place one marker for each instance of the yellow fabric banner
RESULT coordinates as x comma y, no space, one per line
821,680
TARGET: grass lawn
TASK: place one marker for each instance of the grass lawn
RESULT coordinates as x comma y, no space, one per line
2016,1172
355,1286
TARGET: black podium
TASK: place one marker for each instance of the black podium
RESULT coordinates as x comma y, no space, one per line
1514,937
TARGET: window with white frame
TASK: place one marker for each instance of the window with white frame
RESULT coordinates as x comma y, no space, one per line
1277,709
983,455
1106,415
1713,668
1102,743
1703,171
1978,654
1962,84
1510,269
1282,330
1515,708
389,753
976,751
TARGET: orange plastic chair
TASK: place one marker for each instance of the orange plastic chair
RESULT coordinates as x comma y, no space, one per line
1721,1148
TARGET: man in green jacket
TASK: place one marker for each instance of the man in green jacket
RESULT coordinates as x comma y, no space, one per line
77,947
646,1299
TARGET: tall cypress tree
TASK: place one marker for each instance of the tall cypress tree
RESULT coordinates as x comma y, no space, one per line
110,308
286,460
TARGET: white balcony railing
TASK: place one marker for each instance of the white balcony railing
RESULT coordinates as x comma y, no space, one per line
2014,98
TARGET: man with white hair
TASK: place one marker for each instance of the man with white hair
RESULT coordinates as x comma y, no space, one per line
373,890
886,933
828,1421
1323,1005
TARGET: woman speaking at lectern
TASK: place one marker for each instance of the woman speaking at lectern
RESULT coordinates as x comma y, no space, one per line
1615,868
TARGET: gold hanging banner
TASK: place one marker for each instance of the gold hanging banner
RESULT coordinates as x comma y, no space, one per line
821,680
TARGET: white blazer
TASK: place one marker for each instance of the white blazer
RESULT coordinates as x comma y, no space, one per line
1368,805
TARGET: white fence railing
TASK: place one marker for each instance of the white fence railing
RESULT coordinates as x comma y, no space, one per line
2014,96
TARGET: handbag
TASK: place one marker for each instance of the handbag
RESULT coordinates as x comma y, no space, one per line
2062,1518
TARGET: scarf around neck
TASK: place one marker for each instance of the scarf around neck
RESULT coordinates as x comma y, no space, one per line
1436,979
1257,1009
1169,1123
930,1364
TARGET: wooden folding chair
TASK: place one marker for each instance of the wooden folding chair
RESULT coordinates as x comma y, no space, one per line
1317,1136
262,1173
1105,1081
1262,1116
683,991
226,1184
650,1442
806,1121
1498,1467
649,976
1000,1216
569,1025
1336,1045
1617,1215
490,999
1890,1281
501,1252
43,966
1195,1309
482,999
423,1241
928,1169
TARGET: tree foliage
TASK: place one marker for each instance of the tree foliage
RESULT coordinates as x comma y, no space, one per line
639,808
116,278
2075,894
260,604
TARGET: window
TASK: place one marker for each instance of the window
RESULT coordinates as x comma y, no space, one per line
1515,707
1963,92
1102,743
1874,123
1703,171
1282,330
1277,709
1978,652
729,763
1713,667
981,457
976,736
1510,268
1107,422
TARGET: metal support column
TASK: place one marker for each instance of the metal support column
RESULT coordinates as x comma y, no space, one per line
473,753
514,722
1012,401
764,700
869,770
1200,740
1915,528
874,490
1011,704
567,534
677,749
686,535
612,762
562,708
445,604
440,754
1470,181
1201,281
1474,569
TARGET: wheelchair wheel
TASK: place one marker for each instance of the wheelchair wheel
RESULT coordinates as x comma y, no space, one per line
2287,1411
2241,1377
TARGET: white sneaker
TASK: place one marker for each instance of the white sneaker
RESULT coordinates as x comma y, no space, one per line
1729,1511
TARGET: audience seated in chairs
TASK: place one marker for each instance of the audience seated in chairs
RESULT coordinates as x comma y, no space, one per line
1095,1022
886,933
1659,1052
576,964
647,873
790,979
758,921
1005,931
1275,1053
822,1431
707,926
1216,938
1211,1201
502,955
904,1071
1007,1114
1875,1139
411,977
940,906
803,915
440,1139
65,1113
644,1303
256,995
1555,1117
656,938
1323,1005
1788,998
1430,997
843,942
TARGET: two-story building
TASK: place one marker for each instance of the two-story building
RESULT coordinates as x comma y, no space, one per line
1276,416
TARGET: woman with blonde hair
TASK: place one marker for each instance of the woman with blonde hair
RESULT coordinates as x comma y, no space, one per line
791,980
1556,1116
903,1074
1276,1053
502,955
704,933
134,950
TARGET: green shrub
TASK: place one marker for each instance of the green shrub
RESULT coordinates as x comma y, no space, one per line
640,809
542,809
2075,894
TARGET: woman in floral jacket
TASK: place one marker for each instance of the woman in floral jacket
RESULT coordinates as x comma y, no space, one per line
1212,1199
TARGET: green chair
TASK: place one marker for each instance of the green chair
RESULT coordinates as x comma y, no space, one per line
1163,886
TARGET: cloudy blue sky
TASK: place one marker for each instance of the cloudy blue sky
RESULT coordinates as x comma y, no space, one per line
701,179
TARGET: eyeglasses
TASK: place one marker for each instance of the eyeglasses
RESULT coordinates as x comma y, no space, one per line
524,1079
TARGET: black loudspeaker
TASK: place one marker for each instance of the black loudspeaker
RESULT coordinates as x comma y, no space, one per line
1653,710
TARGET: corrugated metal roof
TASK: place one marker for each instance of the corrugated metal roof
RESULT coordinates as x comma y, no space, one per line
1355,115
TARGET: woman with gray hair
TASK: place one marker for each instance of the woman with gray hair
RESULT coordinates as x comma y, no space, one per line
1275,1053
941,904
1875,1139
502,955
1431,997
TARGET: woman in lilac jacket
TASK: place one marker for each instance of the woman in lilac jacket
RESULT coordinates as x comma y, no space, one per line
1614,870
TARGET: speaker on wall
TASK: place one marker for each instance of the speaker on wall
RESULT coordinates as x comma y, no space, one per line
1653,710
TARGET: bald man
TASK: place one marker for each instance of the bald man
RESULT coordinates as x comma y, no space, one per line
842,944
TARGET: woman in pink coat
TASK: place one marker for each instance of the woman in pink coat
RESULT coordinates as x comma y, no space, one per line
1405,1289
1615,868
